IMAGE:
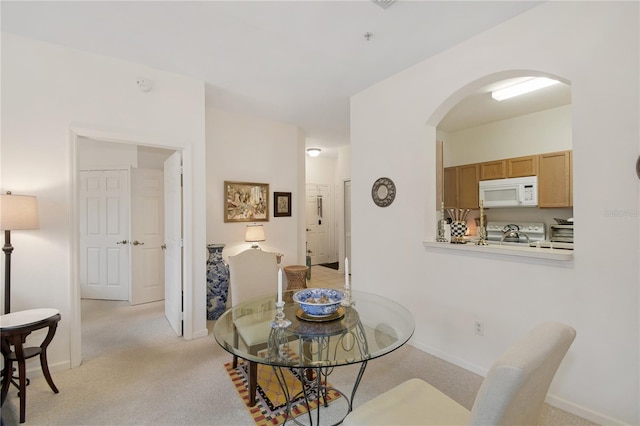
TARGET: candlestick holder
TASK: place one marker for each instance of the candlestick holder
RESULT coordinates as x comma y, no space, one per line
280,321
441,238
482,233
346,300
278,344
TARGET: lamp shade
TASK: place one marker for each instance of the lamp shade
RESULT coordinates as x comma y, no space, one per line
254,233
18,212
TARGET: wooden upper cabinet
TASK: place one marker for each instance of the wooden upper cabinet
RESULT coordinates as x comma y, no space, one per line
468,177
493,170
522,166
555,178
554,171
450,183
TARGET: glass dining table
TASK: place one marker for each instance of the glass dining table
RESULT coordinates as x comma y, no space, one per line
373,326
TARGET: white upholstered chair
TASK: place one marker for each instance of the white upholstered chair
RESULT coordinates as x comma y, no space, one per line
511,394
252,273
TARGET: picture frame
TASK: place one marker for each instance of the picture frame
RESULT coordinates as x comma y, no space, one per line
246,202
281,204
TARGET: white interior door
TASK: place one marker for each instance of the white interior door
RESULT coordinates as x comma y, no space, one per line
104,229
173,241
319,222
147,235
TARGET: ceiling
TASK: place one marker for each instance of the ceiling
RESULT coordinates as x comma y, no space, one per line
296,62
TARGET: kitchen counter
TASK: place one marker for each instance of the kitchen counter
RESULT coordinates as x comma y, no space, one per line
506,250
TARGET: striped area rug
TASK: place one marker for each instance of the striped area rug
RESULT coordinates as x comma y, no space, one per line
271,404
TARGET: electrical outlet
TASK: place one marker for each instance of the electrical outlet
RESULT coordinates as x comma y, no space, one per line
478,328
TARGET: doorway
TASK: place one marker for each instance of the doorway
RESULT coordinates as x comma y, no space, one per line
121,222
320,223
149,196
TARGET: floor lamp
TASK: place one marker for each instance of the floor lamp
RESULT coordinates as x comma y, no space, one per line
17,212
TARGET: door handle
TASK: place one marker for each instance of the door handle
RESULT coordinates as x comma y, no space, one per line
163,247
122,242
137,243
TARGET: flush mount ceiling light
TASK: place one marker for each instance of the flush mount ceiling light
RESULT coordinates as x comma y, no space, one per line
313,152
518,89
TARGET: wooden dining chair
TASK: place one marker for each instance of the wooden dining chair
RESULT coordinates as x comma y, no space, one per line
252,273
512,393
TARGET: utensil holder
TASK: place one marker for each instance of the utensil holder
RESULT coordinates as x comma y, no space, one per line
458,230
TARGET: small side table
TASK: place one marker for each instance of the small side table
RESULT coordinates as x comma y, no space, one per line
296,276
14,329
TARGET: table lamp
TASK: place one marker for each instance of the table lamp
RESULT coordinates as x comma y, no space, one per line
17,212
254,234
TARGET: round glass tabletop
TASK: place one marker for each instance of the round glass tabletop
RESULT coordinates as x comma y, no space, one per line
373,326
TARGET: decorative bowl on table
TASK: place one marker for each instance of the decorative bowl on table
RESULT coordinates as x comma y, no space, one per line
318,302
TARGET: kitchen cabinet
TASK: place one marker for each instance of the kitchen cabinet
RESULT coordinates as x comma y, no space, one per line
450,190
555,179
522,166
468,191
554,171
509,168
493,170
461,186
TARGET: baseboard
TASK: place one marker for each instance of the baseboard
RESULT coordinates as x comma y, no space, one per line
449,358
552,400
36,370
200,333
583,412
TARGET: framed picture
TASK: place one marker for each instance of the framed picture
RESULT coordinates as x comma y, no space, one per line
246,202
281,204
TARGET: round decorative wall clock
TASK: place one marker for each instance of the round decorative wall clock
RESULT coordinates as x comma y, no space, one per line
383,192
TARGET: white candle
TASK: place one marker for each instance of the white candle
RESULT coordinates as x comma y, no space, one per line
279,285
346,272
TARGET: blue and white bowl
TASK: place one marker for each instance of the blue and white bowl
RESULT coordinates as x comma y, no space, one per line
318,302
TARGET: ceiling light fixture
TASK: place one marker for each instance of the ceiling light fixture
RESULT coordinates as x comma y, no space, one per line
518,89
313,152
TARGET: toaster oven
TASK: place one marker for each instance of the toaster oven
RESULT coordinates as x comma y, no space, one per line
561,233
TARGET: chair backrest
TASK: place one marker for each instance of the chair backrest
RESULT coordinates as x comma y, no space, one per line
515,387
252,273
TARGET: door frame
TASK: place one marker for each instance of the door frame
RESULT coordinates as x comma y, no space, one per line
75,330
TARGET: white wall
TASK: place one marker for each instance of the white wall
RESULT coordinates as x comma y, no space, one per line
536,133
595,47
321,170
97,155
47,91
101,155
250,149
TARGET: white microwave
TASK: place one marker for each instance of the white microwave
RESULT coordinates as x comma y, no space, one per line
512,192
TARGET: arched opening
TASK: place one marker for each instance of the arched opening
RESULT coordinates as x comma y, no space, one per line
527,137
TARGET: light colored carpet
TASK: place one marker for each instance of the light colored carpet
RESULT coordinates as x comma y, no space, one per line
135,371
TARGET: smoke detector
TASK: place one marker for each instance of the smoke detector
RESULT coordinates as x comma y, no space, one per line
144,84
384,3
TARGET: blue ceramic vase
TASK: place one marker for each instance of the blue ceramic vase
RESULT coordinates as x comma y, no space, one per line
217,282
